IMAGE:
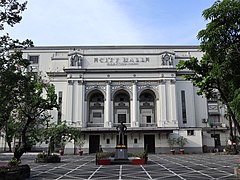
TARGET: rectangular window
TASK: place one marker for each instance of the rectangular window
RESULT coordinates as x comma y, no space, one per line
135,141
97,114
34,59
122,118
190,132
184,111
149,118
60,106
60,97
108,141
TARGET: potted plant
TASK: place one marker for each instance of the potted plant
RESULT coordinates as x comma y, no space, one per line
237,170
139,158
172,141
62,146
80,142
103,158
181,141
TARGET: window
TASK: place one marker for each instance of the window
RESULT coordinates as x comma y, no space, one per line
60,97
190,132
60,106
135,141
122,118
184,111
97,114
149,118
33,59
108,141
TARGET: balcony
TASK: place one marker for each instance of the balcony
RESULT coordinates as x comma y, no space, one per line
91,124
148,125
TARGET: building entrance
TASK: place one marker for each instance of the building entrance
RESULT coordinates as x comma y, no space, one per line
149,143
94,143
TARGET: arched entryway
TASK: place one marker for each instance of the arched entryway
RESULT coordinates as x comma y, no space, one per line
96,109
147,101
121,107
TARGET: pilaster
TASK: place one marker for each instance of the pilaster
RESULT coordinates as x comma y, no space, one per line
162,104
135,106
69,112
172,103
107,106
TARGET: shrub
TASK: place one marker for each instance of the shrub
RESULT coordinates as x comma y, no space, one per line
104,155
44,158
14,162
141,155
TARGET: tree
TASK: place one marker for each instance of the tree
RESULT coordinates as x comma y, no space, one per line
11,61
35,99
219,67
11,131
59,134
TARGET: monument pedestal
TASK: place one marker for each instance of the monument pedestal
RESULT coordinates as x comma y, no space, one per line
121,152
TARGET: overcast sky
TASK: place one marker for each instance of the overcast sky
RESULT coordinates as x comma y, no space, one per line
112,22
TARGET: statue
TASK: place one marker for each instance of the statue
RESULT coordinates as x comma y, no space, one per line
167,60
76,60
121,128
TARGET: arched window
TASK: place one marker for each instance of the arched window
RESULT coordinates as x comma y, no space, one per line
96,109
121,107
147,108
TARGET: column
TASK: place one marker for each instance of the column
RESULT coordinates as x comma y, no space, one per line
69,99
107,106
134,111
84,107
172,103
162,104
75,102
80,104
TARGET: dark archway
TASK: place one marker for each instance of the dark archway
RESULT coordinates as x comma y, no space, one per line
96,108
147,102
121,107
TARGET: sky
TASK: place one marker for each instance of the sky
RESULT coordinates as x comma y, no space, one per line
111,22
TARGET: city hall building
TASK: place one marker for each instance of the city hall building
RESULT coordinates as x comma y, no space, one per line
100,86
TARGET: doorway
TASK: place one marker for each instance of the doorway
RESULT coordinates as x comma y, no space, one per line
149,143
94,143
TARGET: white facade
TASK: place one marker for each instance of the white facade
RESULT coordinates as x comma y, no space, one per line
99,86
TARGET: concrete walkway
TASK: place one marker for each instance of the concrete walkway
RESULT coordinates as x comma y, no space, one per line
165,167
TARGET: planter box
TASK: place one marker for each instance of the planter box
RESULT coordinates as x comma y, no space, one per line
104,162
181,151
172,152
237,172
15,173
138,161
48,159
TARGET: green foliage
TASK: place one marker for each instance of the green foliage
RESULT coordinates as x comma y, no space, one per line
181,141
79,141
11,12
219,68
45,158
172,141
14,162
13,75
231,150
104,155
141,155
59,134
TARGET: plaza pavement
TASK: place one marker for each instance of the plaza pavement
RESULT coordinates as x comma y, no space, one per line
159,167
